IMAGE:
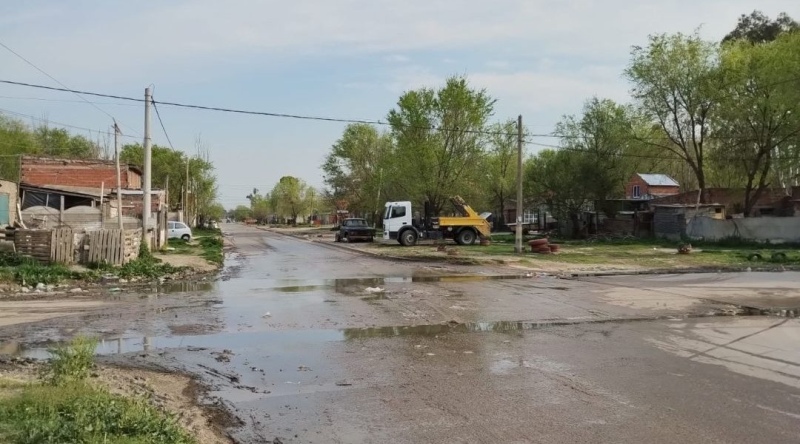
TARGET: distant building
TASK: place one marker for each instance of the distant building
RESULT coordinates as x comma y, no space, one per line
651,186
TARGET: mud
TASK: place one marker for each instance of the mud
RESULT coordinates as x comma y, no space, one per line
305,344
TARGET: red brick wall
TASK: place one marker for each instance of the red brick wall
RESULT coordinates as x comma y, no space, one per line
74,173
645,189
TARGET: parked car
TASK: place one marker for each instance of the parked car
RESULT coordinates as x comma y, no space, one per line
179,230
355,229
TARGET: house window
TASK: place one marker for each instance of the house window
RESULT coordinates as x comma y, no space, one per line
637,192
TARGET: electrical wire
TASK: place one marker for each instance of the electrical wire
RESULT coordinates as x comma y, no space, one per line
43,99
334,119
56,80
161,121
58,123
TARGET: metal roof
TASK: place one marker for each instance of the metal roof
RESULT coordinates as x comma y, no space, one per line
658,180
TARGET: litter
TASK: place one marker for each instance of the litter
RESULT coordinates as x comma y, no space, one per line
266,315
374,290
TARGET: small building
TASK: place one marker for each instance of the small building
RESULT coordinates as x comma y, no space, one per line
670,220
651,186
771,202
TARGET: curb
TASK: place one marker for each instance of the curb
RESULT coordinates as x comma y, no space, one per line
558,274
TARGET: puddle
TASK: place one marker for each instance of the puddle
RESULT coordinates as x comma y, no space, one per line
186,286
353,285
295,338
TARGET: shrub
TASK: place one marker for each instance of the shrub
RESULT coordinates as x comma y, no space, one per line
71,362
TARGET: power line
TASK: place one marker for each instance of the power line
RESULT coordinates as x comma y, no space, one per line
162,122
319,118
56,80
40,119
42,99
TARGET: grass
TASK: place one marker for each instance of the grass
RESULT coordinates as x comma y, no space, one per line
65,408
624,253
207,244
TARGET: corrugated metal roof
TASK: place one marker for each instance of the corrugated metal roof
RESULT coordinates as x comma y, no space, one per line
659,180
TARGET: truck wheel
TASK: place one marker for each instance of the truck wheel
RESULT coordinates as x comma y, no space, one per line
466,237
408,238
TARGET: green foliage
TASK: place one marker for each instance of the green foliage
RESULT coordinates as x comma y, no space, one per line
759,117
432,164
67,409
16,137
500,165
241,212
292,197
757,28
212,249
676,84
77,413
356,169
71,362
32,273
172,164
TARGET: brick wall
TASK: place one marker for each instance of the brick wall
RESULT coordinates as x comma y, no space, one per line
76,173
645,189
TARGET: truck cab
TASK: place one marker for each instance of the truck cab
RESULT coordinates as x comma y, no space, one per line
396,216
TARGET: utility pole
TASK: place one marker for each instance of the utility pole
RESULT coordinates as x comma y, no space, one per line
520,208
117,132
186,197
147,179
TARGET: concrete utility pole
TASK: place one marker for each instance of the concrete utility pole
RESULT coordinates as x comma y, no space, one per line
117,132
518,248
186,196
147,179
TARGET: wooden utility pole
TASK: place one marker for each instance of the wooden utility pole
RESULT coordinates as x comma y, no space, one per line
518,248
117,132
186,196
147,179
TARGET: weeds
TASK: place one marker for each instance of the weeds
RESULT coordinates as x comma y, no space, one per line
67,409
212,249
71,362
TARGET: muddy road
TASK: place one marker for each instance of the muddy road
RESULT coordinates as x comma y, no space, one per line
310,344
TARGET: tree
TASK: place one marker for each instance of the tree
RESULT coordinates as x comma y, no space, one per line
757,28
500,165
170,165
354,168
165,163
439,141
604,136
556,178
290,198
241,212
216,211
759,117
676,83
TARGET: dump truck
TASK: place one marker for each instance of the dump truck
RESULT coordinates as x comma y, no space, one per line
406,226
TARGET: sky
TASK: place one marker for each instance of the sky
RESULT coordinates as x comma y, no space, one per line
350,59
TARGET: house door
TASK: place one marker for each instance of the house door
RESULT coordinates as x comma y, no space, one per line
4,216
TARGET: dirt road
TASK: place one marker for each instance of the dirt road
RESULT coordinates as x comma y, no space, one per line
310,344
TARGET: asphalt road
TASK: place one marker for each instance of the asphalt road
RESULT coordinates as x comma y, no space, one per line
299,343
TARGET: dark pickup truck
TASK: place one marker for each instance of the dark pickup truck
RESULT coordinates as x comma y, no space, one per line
354,230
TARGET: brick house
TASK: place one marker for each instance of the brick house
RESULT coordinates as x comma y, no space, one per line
651,186
47,181
47,171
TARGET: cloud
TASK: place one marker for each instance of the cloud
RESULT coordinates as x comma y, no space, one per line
397,58
127,39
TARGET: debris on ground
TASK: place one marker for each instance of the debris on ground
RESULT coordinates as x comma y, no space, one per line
374,290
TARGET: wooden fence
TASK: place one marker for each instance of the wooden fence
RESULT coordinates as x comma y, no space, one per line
59,245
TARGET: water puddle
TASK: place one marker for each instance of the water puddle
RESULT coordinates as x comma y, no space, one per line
295,338
347,285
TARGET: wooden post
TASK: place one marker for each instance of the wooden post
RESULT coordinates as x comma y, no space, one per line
61,211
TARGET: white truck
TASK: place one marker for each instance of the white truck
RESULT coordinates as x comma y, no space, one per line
402,224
